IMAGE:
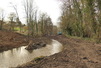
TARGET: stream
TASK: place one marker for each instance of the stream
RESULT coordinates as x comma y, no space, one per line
19,56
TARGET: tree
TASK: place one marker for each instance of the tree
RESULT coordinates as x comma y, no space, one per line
98,16
2,16
17,16
42,21
45,24
12,16
48,26
19,23
81,18
29,12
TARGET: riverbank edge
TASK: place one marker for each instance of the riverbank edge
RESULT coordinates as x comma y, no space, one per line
67,42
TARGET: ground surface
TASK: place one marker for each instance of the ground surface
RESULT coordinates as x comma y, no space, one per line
77,53
9,40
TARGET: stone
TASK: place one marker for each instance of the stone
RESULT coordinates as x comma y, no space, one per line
37,45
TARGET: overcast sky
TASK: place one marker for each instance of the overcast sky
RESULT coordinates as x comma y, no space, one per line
51,7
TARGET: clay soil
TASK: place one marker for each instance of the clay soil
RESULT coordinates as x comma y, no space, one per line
77,53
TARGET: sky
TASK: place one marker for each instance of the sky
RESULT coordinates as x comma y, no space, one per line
51,7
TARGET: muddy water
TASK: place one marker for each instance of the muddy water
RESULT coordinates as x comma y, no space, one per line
18,56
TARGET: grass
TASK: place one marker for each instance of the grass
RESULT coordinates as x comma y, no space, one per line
17,29
82,38
38,58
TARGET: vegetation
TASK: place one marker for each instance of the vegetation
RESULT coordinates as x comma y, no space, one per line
38,58
35,24
78,18
81,18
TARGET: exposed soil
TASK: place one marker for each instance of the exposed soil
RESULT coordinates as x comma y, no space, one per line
9,40
77,53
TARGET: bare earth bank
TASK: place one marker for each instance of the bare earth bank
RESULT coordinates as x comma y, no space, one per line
77,53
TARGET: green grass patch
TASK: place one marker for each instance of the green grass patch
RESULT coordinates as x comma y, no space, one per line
16,29
37,59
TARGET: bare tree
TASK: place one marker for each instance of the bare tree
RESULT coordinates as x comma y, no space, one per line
36,23
2,16
42,21
17,16
29,12
45,24
12,16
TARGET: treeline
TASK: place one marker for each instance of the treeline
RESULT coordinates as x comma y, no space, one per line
11,24
42,26
36,24
81,18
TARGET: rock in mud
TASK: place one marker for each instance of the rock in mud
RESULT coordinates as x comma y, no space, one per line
85,58
37,45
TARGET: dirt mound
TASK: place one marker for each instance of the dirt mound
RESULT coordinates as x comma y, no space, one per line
37,45
9,40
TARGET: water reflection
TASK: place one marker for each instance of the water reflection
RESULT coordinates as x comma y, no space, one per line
18,56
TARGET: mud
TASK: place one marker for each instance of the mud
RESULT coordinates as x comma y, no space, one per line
10,40
77,53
